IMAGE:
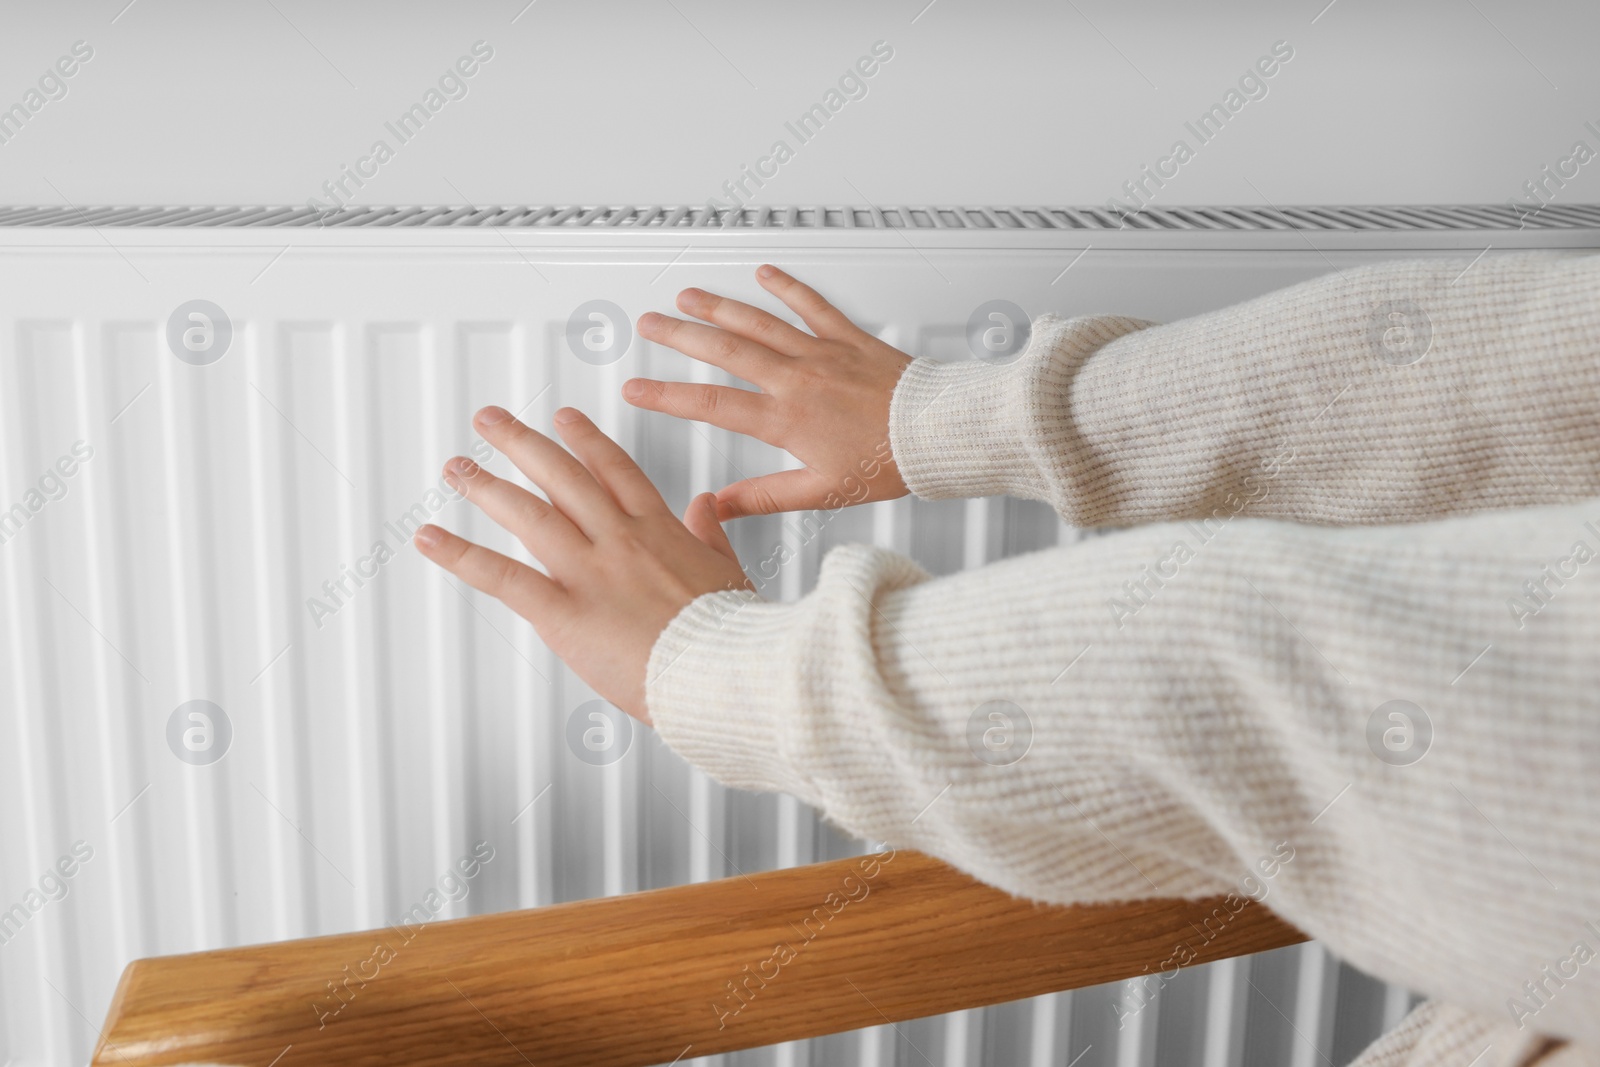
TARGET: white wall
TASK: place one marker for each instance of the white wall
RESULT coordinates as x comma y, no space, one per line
663,100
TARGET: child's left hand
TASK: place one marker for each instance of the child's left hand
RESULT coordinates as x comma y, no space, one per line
621,566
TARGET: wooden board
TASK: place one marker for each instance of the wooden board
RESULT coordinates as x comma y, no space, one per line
645,978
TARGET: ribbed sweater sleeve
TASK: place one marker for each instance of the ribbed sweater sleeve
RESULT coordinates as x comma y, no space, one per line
1036,726
1390,393
1173,709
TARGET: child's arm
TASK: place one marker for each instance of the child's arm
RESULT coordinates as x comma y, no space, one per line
1377,730
1390,393
1387,733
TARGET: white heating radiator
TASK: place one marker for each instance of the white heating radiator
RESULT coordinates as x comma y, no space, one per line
181,519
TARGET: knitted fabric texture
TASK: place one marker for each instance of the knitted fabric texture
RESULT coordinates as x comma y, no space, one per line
1356,624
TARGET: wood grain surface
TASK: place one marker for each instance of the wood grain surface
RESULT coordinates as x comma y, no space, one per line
649,977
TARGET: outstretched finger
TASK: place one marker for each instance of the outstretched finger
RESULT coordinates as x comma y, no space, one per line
567,482
521,588
824,319
796,490
738,410
748,321
543,530
610,464
737,355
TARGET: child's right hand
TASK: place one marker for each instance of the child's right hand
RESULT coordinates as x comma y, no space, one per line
824,399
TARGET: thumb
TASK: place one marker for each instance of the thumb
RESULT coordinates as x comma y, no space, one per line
701,519
792,490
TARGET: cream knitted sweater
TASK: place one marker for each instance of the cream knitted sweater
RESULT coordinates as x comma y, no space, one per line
1381,485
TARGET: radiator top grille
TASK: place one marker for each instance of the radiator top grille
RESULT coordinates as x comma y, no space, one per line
1367,219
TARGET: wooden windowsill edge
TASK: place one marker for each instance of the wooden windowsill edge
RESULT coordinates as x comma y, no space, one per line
648,977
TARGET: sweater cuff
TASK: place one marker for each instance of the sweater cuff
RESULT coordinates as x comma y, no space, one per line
970,429
708,687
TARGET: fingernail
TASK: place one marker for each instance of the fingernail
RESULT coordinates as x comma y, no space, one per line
491,415
691,295
766,270
464,467
427,536
648,321
633,389
566,415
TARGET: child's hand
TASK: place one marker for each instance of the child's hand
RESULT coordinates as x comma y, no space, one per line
620,564
824,399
